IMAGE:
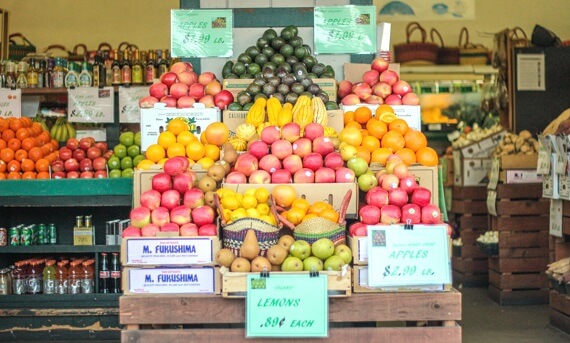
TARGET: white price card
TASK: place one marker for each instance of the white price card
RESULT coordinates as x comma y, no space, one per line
555,217
129,110
543,164
91,105
10,103
492,202
494,173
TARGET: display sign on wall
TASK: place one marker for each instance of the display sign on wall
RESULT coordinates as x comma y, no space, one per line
425,10
10,103
91,105
345,29
201,33
129,111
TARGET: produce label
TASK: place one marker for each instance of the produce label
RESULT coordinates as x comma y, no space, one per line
201,33
408,257
287,305
345,29
555,227
129,110
170,280
10,103
169,251
91,105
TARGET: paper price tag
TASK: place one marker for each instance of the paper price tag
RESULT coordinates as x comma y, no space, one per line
492,202
201,33
129,111
494,174
91,105
345,29
555,228
10,103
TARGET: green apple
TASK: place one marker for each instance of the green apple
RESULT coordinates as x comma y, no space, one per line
300,249
334,262
323,248
313,263
358,165
292,264
127,138
137,139
344,252
367,181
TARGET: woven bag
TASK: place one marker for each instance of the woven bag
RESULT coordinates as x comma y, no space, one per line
470,53
19,51
421,52
445,55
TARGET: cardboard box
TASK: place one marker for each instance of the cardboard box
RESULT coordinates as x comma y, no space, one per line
235,86
520,176
484,147
333,193
519,161
470,171
83,235
425,176
234,118
353,71
358,246
195,280
154,121
360,284
170,252
411,114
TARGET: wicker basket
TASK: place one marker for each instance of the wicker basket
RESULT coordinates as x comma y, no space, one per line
470,53
445,55
19,51
416,52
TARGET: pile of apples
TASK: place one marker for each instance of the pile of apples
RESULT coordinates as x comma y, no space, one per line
283,156
173,204
181,87
397,199
379,85
84,158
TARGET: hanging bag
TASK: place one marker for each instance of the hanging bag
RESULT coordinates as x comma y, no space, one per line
445,55
79,53
470,53
421,52
19,51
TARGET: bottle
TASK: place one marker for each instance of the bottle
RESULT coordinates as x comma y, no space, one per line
85,78
5,281
99,71
32,74
58,74
162,64
87,282
61,281
49,277
19,277
115,274
90,227
35,278
126,70
72,76
74,275
21,79
41,74
2,74
11,75
116,69
48,74
104,275
150,69
137,69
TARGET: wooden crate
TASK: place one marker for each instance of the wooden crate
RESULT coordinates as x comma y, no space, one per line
560,311
469,200
461,279
469,272
366,317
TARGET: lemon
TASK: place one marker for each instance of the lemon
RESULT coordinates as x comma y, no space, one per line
240,197
162,161
250,191
263,208
145,164
231,203
268,218
249,202
227,214
206,162
253,213
262,195
238,214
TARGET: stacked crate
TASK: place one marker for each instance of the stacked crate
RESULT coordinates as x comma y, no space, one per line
517,274
559,249
468,206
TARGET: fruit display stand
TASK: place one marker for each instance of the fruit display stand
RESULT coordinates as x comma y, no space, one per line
517,274
71,316
469,208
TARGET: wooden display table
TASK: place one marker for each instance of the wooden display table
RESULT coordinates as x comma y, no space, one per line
370,317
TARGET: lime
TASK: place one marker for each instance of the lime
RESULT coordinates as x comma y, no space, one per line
300,52
269,34
127,138
253,68
244,58
114,163
126,162
129,172
138,138
115,173
137,159
287,50
252,51
238,68
120,150
133,150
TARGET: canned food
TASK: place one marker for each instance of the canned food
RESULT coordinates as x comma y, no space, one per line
14,236
3,237
26,235
52,234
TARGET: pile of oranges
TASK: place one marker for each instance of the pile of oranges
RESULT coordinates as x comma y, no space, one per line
26,149
379,136
301,210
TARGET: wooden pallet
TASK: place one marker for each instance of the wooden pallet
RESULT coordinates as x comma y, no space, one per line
518,281
461,279
517,297
470,265
560,311
365,317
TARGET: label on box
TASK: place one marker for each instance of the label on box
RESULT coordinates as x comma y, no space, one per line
91,105
173,251
494,174
10,103
522,176
543,164
171,280
555,227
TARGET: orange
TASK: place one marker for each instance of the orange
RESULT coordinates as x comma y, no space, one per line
14,176
26,121
2,144
351,135
42,175
29,175
14,144
354,124
217,133
4,124
364,133
155,152
195,150
42,165
295,215
37,128
27,165
399,125
371,143
203,139
393,140
212,151
22,133
415,140
6,155
176,149
2,166
185,137
177,126
364,153
15,124
348,117
383,109
362,114
330,214
319,207
376,128
13,166
44,137
20,155
426,156
166,139
407,155
309,216
8,134
54,142
28,144
301,203
380,155
35,153
206,162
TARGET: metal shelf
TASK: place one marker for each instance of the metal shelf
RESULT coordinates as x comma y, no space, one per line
35,301
51,248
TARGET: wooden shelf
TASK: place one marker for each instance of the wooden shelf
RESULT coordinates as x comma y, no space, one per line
94,300
51,248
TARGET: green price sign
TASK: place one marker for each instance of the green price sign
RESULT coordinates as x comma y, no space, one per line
345,29
201,33
400,257
287,305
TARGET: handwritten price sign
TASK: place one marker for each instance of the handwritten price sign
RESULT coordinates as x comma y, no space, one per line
345,29
129,111
91,105
10,103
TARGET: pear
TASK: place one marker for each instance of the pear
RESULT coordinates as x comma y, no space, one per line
207,183
224,164
250,246
260,264
276,254
240,264
225,257
209,199
216,172
229,154
285,241
275,267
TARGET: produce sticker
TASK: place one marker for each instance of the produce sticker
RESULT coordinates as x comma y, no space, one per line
345,29
287,305
129,110
415,256
201,33
10,103
91,105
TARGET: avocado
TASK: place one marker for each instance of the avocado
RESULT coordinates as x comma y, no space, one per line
294,29
234,106
329,70
283,89
277,59
301,74
309,61
307,94
327,75
301,52
261,59
268,72
297,88
252,51
269,34
308,48
291,60
285,66
244,97
244,58
280,72
253,68
277,43
260,81
288,79
296,41
247,106
286,50
287,33
227,68
267,51
246,76
324,97
268,89
238,68
306,82
313,88
261,43
260,95
253,89
279,97
331,105
274,81
312,75
291,98
318,69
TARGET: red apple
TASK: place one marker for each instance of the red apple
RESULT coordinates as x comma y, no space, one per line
369,214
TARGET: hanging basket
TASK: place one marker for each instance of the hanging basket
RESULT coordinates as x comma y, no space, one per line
19,51
421,52
445,55
470,53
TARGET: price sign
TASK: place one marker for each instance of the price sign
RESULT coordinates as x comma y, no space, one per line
129,111
201,33
345,29
10,103
555,227
401,257
91,105
544,155
287,305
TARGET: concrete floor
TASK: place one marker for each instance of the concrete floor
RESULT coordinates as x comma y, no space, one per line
486,321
